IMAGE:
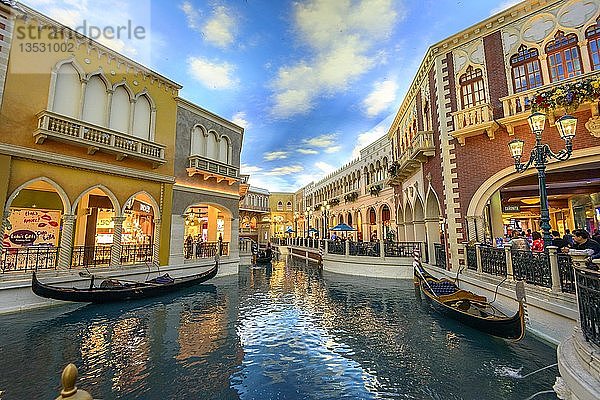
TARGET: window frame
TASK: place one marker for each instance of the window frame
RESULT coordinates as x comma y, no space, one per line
554,48
592,34
524,59
472,78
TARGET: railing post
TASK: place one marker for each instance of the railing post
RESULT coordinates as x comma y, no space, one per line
66,241
478,253
3,225
69,390
381,248
156,242
554,273
115,250
347,249
326,247
509,266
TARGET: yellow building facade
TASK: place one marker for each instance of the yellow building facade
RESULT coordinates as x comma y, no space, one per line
87,141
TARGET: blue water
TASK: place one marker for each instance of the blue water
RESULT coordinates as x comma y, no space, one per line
292,333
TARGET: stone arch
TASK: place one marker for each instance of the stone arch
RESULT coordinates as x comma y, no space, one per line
400,223
419,220
198,141
107,192
142,116
409,225
54,77
95,99
59,190
120,107
432,220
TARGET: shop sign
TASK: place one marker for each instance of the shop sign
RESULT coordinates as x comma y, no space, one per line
507,208
33,227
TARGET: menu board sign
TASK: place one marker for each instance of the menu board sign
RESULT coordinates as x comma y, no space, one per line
32,227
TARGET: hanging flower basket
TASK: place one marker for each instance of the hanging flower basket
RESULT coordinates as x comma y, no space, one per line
568,96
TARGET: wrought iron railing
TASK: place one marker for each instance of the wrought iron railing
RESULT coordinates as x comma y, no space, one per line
532,267
205,250
493,261
566,273
370,249
440,255
471,257
90,256
336,247
588,294
136,254
402,249
28,258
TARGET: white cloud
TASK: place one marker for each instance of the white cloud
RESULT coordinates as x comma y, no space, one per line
333,149
286,170
503,6
366,138
382,96
307,151
342,35
324,167
325,140
239,119
219,29
191,14
249,169
212,75
275,155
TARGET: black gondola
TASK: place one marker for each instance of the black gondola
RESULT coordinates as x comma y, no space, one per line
469,308
118,290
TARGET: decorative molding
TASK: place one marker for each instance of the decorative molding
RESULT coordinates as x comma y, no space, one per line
593,126
79,163
215,193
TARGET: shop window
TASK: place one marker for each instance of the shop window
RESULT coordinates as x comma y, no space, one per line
525,67
564,60
288,206
471,88
592,34
280,206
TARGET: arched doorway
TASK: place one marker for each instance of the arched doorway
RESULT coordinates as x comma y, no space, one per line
33,223
96,210
386,216
433,224
372,218
359,226
409,228
400,224
419,221
207,231
140,239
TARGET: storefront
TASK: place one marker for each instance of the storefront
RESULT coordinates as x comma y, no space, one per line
138,226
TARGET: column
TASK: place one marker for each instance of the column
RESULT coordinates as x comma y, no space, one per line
3,225
177,239
347,249
381,248
471,229
585,55
156,242
115,249
478,252
553,255
509,266
66,241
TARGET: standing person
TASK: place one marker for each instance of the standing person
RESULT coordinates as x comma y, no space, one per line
529,237
558,241
269,251
568,237
188,246
538,243
518,241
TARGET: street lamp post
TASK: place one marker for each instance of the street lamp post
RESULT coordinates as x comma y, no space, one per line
324,208
540,155
307,216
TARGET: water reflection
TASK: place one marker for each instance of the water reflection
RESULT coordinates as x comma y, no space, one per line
290,332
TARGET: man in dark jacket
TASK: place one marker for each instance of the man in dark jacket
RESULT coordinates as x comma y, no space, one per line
583,242
558,241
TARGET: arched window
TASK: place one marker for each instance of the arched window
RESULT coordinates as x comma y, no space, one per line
224,150
471,87
564,60
197,146
141,118
525,67
119,110
212,146
592,34
279,206
67,92
288,206
95,101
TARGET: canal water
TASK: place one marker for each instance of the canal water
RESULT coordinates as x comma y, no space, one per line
286,333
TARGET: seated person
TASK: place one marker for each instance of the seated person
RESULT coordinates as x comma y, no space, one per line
558,241
583,242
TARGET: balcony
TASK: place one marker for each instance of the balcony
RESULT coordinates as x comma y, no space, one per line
244,185
96,138
474,121
421,148
208,168
517,107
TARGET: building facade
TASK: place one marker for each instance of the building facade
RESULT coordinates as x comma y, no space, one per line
281,205
86,150
207,188
255,220
357,194
454,177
